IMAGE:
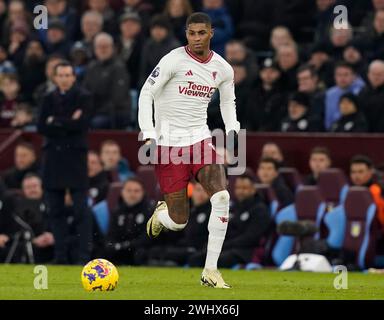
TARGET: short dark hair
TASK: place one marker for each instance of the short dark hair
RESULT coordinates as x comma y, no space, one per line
269,160
26,145
361,159
63,64
248,176
199,17
136,180
307,67
30,175
321,150
345,64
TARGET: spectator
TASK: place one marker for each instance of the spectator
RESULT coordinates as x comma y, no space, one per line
272,150
268,174
6,66
31,72
23,118
346,81
177,11
319,160
351,120
63,121
130,45
373,38
109,17
362,175
110,92
18,41
372,97
320,59
236,51
127,242
221,22
98,179
32,209
299,118
79,57
62,11
25,161
308,83
281,36
353,54
10,97
159,44
366,23
339,39
116,166
144,8
49,85
287,58
267,101
91,25
57,42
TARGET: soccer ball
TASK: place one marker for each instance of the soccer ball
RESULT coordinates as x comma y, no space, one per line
99,275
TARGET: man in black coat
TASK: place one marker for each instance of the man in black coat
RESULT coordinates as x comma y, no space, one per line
63,121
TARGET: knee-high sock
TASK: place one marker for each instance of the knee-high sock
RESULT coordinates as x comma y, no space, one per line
167,221
217,227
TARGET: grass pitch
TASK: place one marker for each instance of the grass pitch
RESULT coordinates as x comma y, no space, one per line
16,282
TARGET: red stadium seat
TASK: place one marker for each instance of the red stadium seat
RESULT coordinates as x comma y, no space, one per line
333,185
147,175
292,177
114,195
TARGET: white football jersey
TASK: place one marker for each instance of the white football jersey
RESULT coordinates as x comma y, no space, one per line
181,86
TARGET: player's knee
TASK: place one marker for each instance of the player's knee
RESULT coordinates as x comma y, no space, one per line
220,198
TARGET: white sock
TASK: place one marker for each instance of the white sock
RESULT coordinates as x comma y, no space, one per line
167,222
217,227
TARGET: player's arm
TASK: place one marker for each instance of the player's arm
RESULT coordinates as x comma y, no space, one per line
154,83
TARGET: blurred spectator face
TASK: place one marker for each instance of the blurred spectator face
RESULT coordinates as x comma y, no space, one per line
55,35
347,107
110,156
3,54
267,172
32,188
272,150
352,55
10,88
98,5
56,7
287,57
378,4
244,189
212,4
296,110
104,47
323,5
360,174
235,51
35,50
344,77
158,33
307,82
132,193
131,2
319,162
269,75
378,23
17,36
16,11
199,195
341,37
23,116
91,25
177,8
318,59
130,28
24,157
65,77
376,74
281,37
240,74
94,164
50,68
3,7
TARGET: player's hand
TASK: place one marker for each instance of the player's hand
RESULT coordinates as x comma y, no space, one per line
232,142
150,150
77,114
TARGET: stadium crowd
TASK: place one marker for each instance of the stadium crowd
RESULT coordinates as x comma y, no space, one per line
294,72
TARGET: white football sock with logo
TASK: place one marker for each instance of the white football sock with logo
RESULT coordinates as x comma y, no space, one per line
167,221
217,227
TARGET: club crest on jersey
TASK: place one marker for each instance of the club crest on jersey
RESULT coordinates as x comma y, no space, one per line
155,73
214,74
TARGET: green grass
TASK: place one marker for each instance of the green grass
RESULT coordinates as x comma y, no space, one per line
16,282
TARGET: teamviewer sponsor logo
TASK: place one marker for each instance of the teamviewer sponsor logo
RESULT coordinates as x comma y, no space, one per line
197,90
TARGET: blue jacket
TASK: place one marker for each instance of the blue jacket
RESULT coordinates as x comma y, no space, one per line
332,97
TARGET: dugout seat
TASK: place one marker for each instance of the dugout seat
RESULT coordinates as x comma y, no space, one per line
113,195
147,175
291,177
269,195
334,186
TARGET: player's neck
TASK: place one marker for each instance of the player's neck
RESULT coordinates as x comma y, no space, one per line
201,55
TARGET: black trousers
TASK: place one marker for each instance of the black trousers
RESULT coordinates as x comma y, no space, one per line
81,242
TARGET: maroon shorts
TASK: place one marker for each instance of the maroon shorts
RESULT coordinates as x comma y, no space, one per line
177,165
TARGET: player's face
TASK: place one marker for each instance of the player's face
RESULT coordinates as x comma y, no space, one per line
199,36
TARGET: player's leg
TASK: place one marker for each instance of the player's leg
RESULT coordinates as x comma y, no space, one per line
212,178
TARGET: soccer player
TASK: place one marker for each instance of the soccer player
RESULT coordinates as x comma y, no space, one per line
181,87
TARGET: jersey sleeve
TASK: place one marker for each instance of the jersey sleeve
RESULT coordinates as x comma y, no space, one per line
154,83
227,102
